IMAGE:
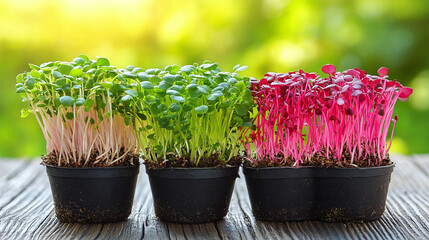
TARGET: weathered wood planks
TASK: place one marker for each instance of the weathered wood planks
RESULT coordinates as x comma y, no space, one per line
26,212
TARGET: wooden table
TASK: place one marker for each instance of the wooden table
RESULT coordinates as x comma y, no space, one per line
27,212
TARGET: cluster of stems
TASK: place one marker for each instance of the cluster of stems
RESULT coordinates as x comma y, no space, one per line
303,117
79,108
82,142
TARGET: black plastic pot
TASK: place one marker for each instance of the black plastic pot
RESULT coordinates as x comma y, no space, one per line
192,195
315,193
90,195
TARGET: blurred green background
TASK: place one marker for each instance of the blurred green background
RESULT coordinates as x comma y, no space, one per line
266,35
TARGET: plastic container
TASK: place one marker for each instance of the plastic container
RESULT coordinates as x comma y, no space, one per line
192,195
316,193
92,195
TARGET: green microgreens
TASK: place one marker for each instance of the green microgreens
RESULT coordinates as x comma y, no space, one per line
83,108
194,110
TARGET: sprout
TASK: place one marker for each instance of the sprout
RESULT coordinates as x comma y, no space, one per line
192,111
298,123
84,110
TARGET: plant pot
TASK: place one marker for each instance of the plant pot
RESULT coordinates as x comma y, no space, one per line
192,195
91,195
316,193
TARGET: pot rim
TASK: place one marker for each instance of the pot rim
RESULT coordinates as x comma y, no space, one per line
320,167
316,172
92,172
193,172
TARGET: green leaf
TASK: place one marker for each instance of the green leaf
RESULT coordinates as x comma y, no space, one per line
192,86
141,116
209,66
131,92
187,69
77,87
130,75
121,77
155,79
84,57
102,62
171,78
162,107
89,103
130,68
24,112
107,85
201,109
241,109
241,69
203,90
126,98
214,96
146,85
67,101
177,88
65,69
80,101
177,98
69,115
76,72
172,68
164,85
224,85
127,120
164,122
195,93
154,71
30,82
154,108
35,73
175,107
151,136
20,90
246,124
236,67
172,92
57,74
79,61
143,76
33,66
241,86
19,78
137,70
61,82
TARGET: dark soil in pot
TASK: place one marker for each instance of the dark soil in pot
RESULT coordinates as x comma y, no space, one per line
192,195
90,195
316,193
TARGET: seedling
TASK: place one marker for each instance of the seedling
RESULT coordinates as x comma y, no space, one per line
306,119
83,110
193,112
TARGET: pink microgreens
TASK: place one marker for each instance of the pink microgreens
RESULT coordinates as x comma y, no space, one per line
345,116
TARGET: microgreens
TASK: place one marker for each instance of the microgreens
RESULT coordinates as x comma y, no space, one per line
345,116
193,111
82,109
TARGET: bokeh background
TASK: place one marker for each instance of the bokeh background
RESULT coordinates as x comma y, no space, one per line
266,35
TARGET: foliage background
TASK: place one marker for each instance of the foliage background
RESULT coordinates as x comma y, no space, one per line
266,35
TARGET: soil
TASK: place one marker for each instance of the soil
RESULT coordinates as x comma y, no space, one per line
319,161
130,159
172,160
73,215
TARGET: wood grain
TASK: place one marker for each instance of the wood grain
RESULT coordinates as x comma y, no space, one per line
27,212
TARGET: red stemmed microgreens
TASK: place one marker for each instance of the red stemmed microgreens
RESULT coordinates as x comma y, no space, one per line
345,116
